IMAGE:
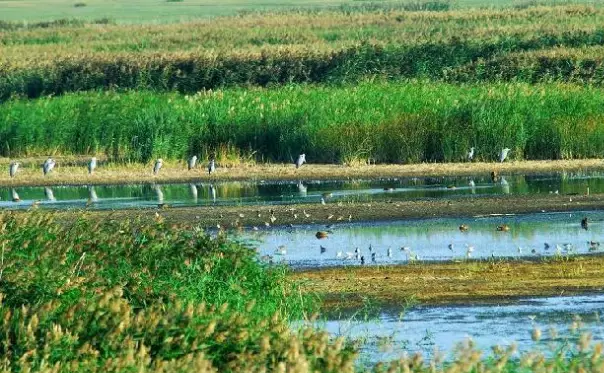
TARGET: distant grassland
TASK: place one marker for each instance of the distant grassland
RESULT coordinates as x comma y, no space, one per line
385,122
162,11
529,44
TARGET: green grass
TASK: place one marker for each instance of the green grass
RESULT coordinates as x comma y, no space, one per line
85,294
383,122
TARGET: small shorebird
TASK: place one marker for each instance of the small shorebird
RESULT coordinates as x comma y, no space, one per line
503,228
584,223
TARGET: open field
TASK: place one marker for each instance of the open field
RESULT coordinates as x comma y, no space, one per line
376,122
465,282
162,11
534,44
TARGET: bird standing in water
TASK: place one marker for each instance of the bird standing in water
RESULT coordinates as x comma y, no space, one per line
584,223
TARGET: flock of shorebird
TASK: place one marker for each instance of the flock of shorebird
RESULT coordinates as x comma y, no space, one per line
374,254
50,163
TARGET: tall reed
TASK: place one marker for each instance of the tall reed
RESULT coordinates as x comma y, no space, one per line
418,121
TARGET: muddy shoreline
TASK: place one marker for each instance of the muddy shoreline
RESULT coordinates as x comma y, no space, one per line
450,283
288,215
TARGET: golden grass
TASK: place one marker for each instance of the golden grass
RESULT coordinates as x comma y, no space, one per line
461,282
31,172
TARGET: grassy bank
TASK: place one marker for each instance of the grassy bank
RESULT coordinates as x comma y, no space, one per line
532,44
454,283
378,122
115,296
73,171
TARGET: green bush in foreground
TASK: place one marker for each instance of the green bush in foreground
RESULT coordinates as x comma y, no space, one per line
379,122
106,296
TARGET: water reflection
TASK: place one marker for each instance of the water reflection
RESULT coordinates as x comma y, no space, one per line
229,193
391,332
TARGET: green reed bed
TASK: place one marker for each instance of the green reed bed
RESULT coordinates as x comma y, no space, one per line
305,47
83,295
379,122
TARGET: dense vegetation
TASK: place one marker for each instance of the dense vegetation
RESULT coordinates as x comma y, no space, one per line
535,44
87,296
382,122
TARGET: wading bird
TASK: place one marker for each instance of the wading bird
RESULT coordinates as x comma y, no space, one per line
192,162
301,160
15,196
212,166
48,165
503,155
12,168
503,228
91,165
471,154
584,223
158,164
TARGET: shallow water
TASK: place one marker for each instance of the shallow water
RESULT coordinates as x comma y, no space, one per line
393,332
242,193
429,239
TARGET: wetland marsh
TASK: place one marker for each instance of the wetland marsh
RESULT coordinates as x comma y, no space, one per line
394,241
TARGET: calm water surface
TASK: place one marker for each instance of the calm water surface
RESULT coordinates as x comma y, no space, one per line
530,235
393,332
242,193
